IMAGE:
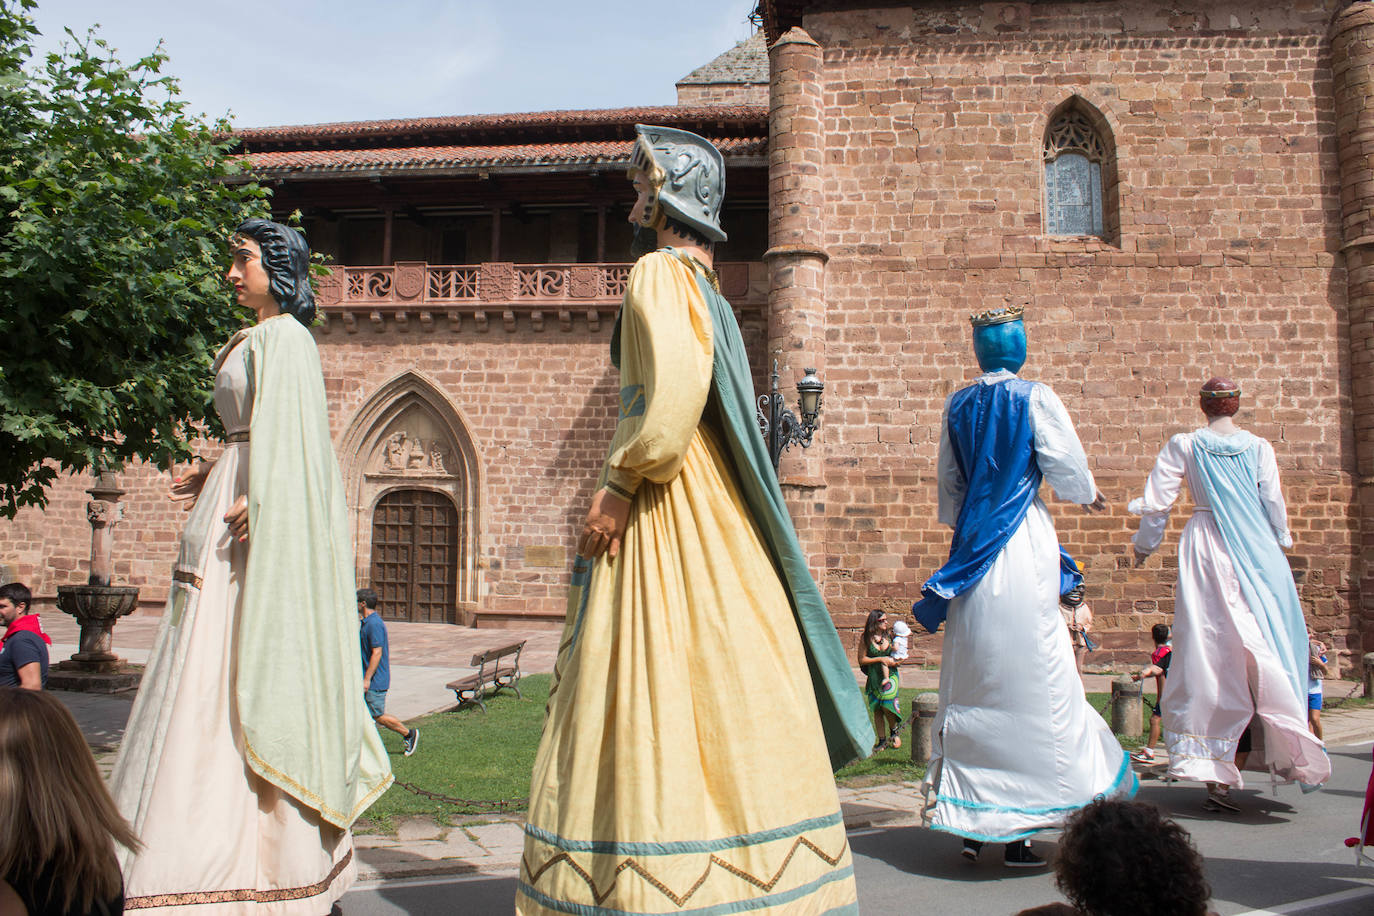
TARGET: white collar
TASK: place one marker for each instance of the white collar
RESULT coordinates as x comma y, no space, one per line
991,378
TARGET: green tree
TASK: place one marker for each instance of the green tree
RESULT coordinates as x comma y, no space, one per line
115,206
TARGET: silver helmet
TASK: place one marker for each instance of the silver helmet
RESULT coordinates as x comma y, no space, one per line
688,176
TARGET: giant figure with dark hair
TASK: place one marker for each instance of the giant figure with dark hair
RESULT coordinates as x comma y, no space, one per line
1238,677
249,752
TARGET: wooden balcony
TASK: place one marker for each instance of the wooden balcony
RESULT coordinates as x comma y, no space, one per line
473,296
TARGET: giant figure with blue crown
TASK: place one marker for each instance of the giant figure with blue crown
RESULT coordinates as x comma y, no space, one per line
698,656
1240,659
1015,746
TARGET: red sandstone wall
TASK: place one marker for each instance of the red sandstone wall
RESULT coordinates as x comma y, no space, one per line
694,94
1228,263
542,407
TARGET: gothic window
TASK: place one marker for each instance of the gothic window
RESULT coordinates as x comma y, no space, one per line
1076,162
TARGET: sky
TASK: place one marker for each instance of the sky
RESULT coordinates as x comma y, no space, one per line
274,62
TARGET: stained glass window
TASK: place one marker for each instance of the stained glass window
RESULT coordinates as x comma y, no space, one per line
1074,155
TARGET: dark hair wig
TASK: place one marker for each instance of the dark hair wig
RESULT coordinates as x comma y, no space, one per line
286,258
688,232
1219,406
1124,858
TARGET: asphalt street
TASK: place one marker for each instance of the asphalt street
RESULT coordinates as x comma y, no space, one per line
1283,854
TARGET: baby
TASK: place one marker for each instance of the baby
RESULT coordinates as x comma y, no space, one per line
900,634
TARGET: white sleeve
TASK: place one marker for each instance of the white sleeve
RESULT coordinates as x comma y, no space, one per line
1161,490
1271,496
952,485
1057,449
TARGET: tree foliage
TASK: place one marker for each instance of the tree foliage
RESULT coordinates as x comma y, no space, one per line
115,206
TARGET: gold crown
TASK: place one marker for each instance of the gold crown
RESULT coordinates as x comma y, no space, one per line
1227,393
997,316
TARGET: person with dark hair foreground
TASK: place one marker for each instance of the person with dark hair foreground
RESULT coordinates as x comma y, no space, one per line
58,824
24,645
1124,858
1239,638
249,751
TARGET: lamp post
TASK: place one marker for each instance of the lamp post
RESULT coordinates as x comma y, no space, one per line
779,425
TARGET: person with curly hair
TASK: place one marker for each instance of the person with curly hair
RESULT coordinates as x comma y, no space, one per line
1113,854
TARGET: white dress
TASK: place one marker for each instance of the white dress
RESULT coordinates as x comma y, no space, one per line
217,838
1223,673
1016,747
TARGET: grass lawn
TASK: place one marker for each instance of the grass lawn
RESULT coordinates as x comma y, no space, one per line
489,757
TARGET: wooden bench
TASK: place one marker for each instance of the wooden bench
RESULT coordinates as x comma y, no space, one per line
492,672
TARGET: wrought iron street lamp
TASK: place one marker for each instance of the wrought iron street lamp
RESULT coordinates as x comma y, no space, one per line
779,425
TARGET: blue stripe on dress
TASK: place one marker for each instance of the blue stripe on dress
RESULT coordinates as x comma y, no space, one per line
616,847
719,909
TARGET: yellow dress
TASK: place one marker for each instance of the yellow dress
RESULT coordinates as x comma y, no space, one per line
683,767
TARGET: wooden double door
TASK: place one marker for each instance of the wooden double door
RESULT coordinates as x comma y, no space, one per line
416,549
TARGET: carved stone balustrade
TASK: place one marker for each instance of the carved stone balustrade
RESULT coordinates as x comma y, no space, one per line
470,297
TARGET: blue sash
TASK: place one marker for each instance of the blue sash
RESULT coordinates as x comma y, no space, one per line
1229,470
994,447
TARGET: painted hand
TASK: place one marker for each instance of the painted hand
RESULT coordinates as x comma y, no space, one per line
186,488
605,525
1099,503
1140,557
237,519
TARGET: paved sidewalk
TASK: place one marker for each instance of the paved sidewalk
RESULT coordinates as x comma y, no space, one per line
426,656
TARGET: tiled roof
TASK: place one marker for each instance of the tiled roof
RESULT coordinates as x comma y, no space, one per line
283,163
746,62
538,123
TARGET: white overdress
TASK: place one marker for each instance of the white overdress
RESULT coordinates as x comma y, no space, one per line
1223,672
1016,748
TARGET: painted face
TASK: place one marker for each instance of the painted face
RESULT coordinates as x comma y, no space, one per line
248,276
1000,346
10,612
642,211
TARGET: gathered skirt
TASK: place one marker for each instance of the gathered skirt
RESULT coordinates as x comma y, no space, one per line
682,765
217,839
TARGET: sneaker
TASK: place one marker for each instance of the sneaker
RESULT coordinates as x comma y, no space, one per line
1220,801
1144,756
1019,855
971,850
411,739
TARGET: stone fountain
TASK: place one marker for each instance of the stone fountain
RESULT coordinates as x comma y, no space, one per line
98,604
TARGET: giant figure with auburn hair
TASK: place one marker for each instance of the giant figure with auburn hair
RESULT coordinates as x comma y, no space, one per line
1239,671
701,694
249,752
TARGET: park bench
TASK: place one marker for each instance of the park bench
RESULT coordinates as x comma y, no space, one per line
496,669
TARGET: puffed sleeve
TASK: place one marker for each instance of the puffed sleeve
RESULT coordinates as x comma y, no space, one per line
1058,451
1161,491
952,485
665,371
1271,496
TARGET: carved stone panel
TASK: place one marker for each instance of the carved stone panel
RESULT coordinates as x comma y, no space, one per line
414,444
497,281
410,279
585,281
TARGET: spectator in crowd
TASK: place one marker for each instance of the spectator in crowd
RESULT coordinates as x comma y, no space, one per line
1158,668
1124,858
24,647
377,668
58,824
1316,672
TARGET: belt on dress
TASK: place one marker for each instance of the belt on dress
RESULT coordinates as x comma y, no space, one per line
237,437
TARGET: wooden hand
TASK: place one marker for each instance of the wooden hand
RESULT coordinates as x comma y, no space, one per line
605,525
237,519
1099,503
186,488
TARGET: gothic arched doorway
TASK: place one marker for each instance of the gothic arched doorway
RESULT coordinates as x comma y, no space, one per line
416,543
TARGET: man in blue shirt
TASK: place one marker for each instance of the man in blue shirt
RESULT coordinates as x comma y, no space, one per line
24,647
377,668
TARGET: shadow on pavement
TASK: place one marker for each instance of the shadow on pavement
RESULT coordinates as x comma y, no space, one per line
932,854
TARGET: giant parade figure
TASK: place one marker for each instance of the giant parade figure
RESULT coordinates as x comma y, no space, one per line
701,695
249,752
1238,677
1015,746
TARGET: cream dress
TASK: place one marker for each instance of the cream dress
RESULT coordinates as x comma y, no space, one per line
216,837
